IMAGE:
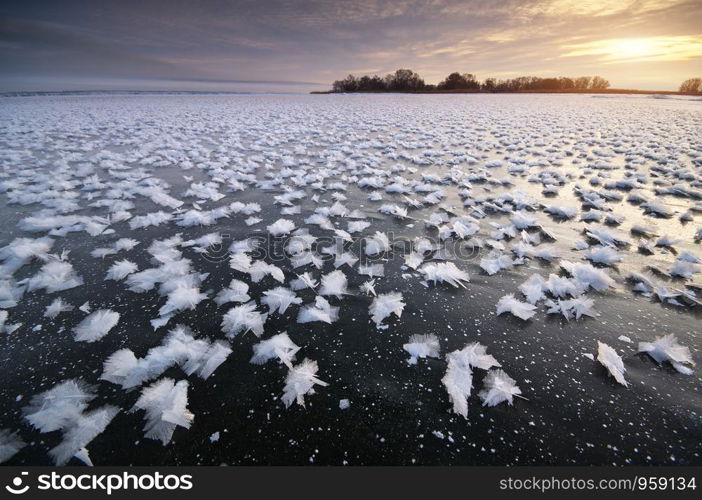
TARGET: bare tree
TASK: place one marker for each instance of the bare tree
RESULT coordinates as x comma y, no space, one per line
489,85
582,82
566,83
691,85
348,84
599,83
404,80
457,81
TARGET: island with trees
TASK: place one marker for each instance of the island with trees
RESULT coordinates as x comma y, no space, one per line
407,81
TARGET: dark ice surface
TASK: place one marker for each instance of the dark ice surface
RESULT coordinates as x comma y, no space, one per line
573,412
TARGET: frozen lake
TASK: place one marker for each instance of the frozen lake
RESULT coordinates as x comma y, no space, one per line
124,217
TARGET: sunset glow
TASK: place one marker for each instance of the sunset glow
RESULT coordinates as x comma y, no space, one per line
676,48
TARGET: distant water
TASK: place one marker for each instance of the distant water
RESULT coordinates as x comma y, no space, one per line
138,92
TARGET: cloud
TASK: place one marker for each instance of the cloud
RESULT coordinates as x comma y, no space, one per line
595,8
458,50
320,40
40,47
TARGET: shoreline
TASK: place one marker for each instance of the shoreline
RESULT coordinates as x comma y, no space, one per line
467,91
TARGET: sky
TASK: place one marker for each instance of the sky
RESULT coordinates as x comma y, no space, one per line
287,45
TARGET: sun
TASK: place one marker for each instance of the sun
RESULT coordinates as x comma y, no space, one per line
656,48
632,48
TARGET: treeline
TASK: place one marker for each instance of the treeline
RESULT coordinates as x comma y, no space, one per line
691,85
406,80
